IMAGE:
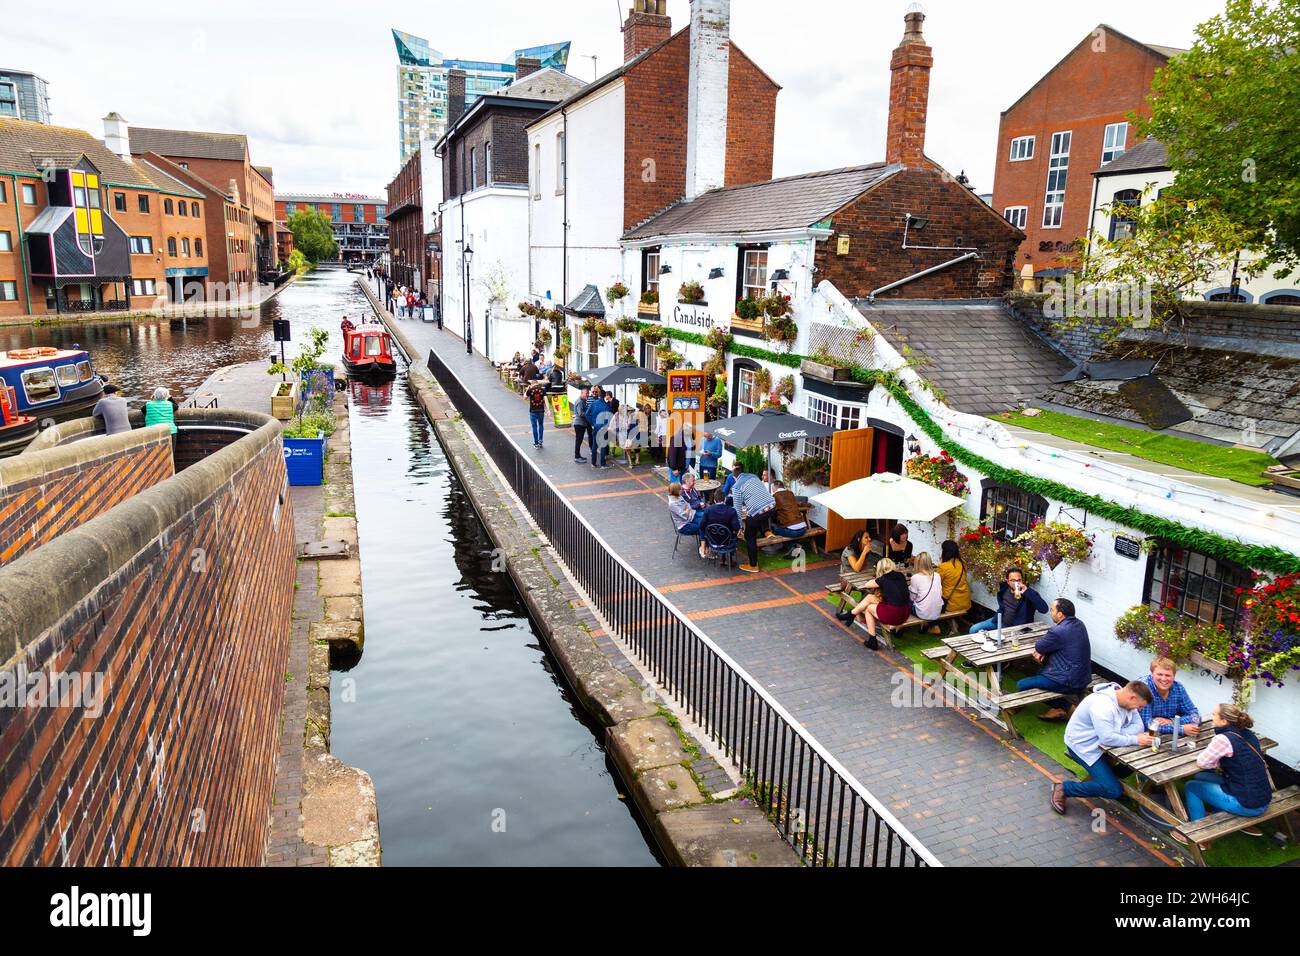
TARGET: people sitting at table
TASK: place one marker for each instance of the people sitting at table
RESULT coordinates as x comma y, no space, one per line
1169,699
952,572
1111,716
752,499
719,512
898,549
528,372
555,375
544,369
854,557
926,588
517,361
1017,602
888,601
689,493
789,521
1242,786
710,452
686,520
1065,654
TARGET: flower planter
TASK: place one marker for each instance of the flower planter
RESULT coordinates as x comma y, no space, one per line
284,406
1202,662
752,326
318,381
825,373
304,460
648,310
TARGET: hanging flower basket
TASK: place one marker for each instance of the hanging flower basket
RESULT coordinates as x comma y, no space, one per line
988,554
1053,542
939,471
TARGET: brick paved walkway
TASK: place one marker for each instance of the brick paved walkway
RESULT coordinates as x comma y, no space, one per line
971,795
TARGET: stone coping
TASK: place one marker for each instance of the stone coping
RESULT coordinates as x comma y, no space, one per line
39,588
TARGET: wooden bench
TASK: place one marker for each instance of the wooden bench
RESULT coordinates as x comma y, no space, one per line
891,631
1014,701
811,536
1208,829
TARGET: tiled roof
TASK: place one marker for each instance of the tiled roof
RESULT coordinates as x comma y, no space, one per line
586,302
181,142
983,358
165,182
547,84
1148,154
794,202
26,146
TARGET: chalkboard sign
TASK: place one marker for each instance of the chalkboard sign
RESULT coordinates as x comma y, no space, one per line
1128,547
281,329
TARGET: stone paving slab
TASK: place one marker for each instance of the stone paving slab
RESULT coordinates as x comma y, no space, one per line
972,796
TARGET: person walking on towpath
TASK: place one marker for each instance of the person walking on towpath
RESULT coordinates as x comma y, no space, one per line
536,396
599,415
581,425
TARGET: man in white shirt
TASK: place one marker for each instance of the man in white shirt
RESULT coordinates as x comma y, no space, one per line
1108,717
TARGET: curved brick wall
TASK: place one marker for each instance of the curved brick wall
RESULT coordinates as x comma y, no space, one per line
175,603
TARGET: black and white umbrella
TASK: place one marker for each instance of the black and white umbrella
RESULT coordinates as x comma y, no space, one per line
624,373
767,427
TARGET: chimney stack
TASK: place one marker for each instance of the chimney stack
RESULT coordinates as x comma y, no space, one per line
526,66
647,25
909,94
117,136
455,95
706,112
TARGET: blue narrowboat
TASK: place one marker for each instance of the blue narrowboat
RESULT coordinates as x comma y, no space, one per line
47,382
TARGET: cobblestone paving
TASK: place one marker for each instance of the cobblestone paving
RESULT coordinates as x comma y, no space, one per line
971,795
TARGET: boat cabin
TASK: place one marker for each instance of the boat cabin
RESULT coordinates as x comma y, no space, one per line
50,382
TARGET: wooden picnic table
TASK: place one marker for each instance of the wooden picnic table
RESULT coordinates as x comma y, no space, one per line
1017,645
1163,769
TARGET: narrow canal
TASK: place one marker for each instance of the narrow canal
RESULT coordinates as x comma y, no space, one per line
479,752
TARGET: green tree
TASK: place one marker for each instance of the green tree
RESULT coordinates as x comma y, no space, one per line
1226,110
313,235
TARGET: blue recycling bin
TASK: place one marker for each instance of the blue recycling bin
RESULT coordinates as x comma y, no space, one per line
304,460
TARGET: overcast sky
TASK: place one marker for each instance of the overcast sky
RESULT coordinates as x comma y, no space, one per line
314,84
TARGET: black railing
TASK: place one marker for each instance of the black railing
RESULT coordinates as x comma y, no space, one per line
819,808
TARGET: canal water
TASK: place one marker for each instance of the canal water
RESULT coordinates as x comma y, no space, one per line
479,752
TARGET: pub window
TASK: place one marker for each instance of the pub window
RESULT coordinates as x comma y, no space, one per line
753,277
1196,585
836,415
1123,214
747,397
1011,510
650,270
590,356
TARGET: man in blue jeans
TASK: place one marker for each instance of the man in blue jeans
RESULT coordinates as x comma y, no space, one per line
1108,717
1066,658
1017,602
536,396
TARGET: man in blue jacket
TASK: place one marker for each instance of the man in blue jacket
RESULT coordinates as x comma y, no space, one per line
581,425
598,416
1066,658
1016,600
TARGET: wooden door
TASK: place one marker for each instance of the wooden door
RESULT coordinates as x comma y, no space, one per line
850,460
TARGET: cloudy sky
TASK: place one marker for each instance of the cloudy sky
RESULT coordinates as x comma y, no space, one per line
313,82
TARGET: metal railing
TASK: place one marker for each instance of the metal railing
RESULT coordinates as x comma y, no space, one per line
817,806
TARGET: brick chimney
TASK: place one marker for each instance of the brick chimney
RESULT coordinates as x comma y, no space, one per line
455,95
706,104
647,25
526,66
909,94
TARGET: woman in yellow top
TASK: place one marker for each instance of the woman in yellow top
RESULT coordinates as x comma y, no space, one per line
952,573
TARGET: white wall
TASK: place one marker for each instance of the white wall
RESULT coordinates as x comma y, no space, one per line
496,228
430,184
1108,186
594,193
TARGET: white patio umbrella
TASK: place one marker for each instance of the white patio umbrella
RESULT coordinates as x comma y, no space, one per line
887,495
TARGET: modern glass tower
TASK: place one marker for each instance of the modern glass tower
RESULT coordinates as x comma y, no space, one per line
422,84
24,95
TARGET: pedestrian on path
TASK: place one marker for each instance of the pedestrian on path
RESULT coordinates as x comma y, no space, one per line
581,424
599,415
635,428
536,396
755,502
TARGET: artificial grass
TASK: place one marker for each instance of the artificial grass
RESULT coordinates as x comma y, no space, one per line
1235,850
1218,461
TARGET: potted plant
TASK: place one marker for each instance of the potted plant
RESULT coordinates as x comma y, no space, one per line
624,350
284,397
781,329
616,293
1166,632
668,360
649,304
785,388
653,334
692,293
1052,542
748,316
626,324
763,380
1270,628
544,335
988,553
809,470
826,367
604,330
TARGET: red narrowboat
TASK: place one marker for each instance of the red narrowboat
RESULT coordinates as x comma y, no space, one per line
368,350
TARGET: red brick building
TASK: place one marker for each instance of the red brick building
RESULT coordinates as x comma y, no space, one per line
227,225
1066,126
359,222
406,242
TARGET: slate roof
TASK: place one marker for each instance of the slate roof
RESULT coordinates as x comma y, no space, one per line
1248,393
795,202
545,84
586,302
181,142
1147,155
983,358
165,182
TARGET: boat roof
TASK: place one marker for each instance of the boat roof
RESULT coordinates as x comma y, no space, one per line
7,362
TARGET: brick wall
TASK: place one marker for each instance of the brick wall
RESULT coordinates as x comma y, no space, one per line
37,504
504,128
874,225
181,599
655,105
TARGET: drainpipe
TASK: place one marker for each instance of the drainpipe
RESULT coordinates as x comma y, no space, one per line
871,296
564,286
18,220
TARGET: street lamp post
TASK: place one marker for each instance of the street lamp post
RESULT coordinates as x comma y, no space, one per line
469,323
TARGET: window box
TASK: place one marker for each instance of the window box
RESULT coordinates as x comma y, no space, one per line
284,401
1197,659
754,326
825,373
648,310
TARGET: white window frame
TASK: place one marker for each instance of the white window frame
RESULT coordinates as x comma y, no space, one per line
1114,142
745,383
759,289
1021,218
842,416
6,241
8,290
1058,175
653,260
590,353
473,168
561,158
1022,149
487,164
